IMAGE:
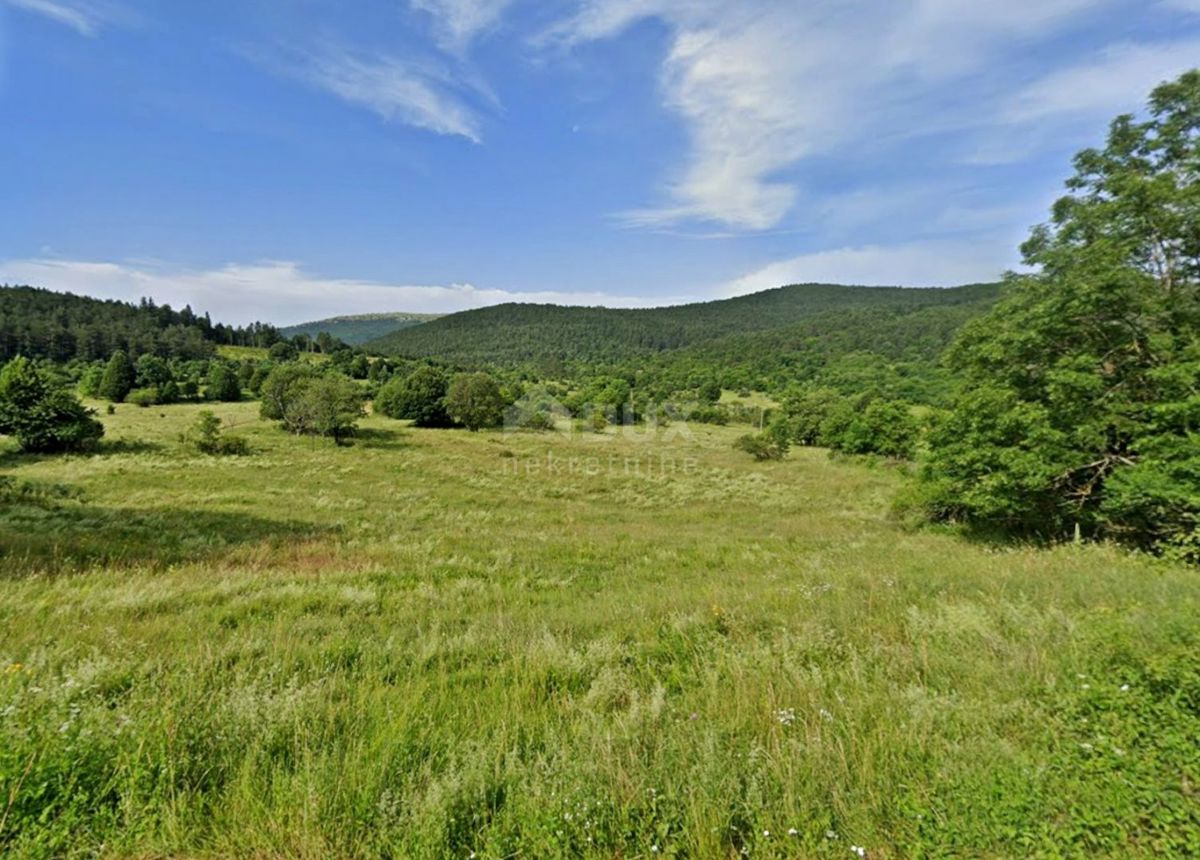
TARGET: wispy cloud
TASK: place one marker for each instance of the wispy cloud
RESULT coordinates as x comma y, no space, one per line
1117,81
918,264
459,22
85,18
416,93
763,85
280,292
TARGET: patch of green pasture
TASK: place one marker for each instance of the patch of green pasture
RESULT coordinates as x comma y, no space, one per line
434,643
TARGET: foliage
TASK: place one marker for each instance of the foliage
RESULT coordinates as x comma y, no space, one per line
285,350
358,329
763,446
1082,409
884,427
119,378
43,417
143,397
205,437
307,402
419,397
475,401
224,385
63,327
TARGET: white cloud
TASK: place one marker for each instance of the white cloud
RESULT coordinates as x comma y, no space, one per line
763,84
397,90
83,17
919,264
460,22
1118,81
279,292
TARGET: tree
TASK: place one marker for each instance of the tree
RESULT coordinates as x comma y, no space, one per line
283,351
306,402
282,389
329,406
884,427
43,417
223,383
205,437
152,371
119,376
419,397
475,401
1082,408
709,392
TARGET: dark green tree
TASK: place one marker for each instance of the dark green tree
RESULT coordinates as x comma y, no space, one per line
475,401
224,384
283,351
118,379
43,417
1082,408
419,397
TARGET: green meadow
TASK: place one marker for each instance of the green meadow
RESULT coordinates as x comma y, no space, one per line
435,643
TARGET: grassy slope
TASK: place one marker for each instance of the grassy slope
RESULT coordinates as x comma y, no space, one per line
412,648
359,329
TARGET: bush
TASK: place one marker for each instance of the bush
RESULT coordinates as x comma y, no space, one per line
205,437
143,397
761,447
885,427
224,385
282,351
475,401
42,417
309,403
419,397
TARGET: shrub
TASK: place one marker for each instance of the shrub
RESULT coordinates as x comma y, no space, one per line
885,427
419,397
475,401
205,437
224,385
42,417
143,397
761,447
283,350
309,403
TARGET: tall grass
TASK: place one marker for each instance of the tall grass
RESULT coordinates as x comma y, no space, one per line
438,644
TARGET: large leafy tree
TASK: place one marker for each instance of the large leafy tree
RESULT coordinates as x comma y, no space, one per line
1082,410
475,401
43,417
419,397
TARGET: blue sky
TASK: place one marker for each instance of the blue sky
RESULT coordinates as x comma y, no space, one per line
292,159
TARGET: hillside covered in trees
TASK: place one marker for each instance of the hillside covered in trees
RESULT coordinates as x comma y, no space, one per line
762,341
515,334
358,329
40,323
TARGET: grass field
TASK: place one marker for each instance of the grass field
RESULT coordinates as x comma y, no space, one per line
442,644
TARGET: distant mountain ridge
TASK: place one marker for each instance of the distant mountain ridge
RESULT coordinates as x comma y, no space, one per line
517,334
357,329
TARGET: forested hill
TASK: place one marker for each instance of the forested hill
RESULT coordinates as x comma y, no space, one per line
360,328
518,334
39,323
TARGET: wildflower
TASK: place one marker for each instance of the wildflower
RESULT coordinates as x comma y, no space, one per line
829,834
653,849
792,831
1086,747
15,667
786,716
859,850
766,834
825,715
1124,688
